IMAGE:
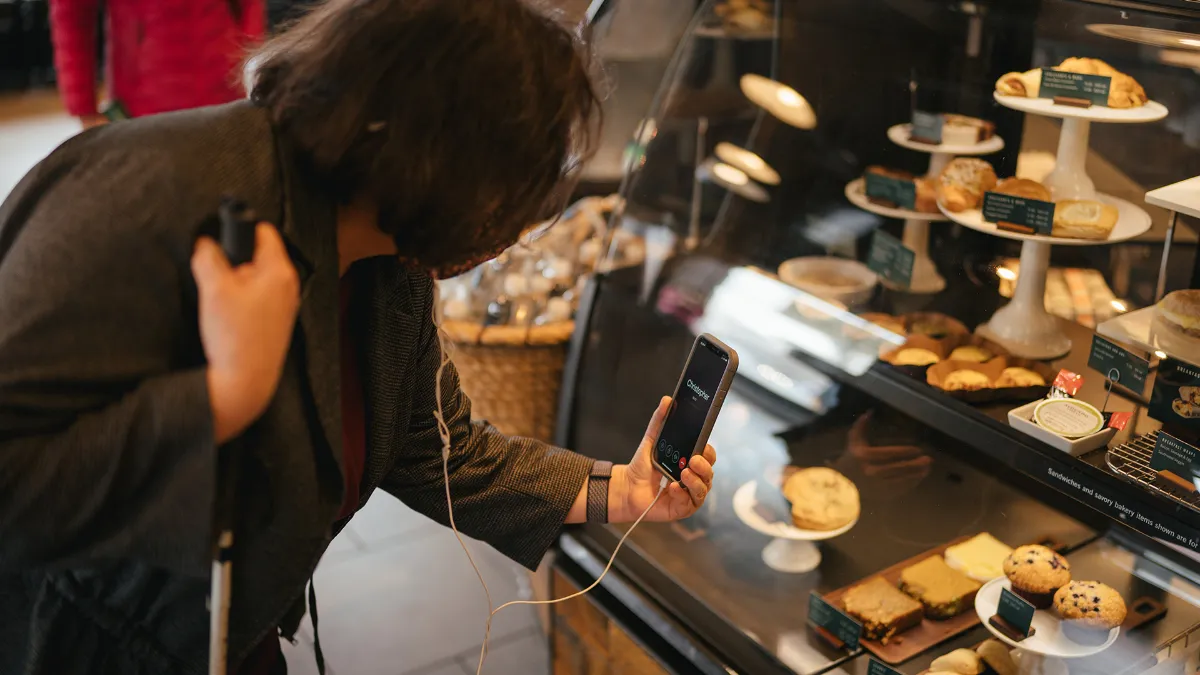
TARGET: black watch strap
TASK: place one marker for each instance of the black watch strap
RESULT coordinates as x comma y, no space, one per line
597,492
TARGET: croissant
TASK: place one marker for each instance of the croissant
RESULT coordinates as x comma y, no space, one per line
1025,84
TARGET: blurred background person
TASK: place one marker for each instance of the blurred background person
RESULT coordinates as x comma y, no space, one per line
160,55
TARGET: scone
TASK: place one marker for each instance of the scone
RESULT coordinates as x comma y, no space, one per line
1123,91
944,592
1023,187
1181,309
962,183
1089,610
970,353
1019,377
882,609
1084,219
966,380
959,662
914,356
1037,573
1026,84
997,657
822,499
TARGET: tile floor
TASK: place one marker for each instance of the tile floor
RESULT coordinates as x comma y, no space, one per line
397,596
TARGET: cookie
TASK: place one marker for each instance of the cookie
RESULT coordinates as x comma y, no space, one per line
959,661
1036,573
1089,610
822,499
997,657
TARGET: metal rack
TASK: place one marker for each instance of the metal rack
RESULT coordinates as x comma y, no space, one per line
1132,461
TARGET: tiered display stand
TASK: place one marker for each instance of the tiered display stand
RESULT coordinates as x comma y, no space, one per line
1023,326
925,277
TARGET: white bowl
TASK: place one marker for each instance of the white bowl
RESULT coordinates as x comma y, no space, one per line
807,275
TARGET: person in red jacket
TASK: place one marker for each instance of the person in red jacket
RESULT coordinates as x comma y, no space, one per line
161,55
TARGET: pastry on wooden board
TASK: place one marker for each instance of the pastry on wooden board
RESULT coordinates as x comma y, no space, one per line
882,609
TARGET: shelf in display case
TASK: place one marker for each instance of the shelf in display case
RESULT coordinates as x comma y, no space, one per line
856,192
900,134
1145,329
1132,222
1153,111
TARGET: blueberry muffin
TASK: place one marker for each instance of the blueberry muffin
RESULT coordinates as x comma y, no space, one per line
1036,573
1089,610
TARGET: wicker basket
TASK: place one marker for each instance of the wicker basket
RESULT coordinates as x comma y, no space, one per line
511,374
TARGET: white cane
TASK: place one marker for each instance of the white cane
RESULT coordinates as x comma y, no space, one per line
237,240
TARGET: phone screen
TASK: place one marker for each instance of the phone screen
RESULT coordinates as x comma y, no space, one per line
695,396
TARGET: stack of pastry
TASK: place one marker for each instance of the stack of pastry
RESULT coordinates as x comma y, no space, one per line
1123,92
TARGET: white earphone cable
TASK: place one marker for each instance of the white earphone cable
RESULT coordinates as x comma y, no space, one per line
444,433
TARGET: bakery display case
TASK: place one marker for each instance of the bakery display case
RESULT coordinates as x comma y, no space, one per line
948,241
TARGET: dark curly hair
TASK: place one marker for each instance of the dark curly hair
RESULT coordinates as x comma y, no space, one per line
464,121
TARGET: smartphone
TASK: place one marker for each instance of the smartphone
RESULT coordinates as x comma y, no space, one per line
706,378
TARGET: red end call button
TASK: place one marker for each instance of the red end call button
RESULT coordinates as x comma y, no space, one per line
682,462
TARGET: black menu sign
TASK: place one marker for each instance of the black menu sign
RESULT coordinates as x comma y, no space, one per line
1033,214
1015,611
876,668
891,259
1176,395
927,127
1176,456
1058,83
826,616
1118,364
899,191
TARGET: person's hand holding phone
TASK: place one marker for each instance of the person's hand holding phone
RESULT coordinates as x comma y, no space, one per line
633,487
247,316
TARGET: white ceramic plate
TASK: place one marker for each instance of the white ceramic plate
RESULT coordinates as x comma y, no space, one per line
744,503
1048,640
899,134
1132,222
856,192
1153,111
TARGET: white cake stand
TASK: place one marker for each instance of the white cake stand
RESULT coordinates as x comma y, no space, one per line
925,277
792,550
1069,179
1046,651
1023,326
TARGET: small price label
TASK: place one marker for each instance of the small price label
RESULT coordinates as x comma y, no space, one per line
875,667
1174,455
1031,213
891,259
898,191
1093,88
1118,364
927,127
832,619
1015,610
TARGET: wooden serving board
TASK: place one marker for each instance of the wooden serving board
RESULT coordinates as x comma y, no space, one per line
903,646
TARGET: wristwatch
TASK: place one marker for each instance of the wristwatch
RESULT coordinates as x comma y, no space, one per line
597,492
